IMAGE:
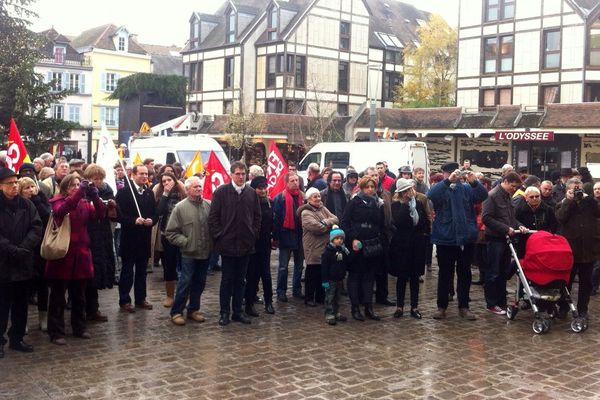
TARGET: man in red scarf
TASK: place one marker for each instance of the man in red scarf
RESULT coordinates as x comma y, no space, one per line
287,235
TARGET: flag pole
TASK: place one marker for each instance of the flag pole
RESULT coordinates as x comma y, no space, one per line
131,189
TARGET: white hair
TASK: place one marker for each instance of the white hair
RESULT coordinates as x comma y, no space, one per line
531,189
254,171
314,167
192,179
507,168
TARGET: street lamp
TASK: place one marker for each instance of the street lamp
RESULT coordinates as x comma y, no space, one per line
373,85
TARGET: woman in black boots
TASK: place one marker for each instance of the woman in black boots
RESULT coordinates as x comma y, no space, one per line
363,222
409,245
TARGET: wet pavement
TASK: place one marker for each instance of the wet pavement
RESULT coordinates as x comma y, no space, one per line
294,354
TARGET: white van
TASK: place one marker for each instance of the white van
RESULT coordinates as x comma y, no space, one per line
169,149
360,155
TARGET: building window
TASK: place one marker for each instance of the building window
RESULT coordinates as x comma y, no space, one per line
391,80
110,82
195,77
194,34
490,98
228,107
59,55
228,78
271,70
57,79
110,116
294,107
192,79
74,83
121,43
342,109
343,77
594,55
551,49
273,24
74,111
274,106
549,95
498,54
58,111
592,92
499,9
231,22
393,57
344,35
300,81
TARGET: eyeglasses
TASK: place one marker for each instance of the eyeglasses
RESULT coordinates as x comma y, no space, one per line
14,183
533,197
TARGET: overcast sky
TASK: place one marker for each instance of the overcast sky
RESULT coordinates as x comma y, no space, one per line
158,22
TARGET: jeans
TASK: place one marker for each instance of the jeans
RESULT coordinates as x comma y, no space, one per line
282,271
332,298
213,260
259,268
360,287
192,281
56,308
482,260
450,257
13,301
232,283
127,280
498,269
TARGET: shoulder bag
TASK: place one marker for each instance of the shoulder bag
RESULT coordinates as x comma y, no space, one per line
55,244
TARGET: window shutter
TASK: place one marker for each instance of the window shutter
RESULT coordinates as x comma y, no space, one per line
117,77
49,77
103,81
116,116
82,83
65,81
103,115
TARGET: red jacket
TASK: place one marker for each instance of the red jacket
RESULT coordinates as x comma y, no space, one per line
77,264
387,182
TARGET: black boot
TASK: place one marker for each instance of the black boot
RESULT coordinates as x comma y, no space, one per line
224,320
356,314
269,308
1,350
251,311
370,313
241,317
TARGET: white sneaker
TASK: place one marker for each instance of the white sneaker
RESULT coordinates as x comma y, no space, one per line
497,310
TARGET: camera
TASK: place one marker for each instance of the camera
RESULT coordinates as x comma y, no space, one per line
578,194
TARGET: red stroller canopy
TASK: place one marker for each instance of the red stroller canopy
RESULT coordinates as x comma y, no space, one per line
547,258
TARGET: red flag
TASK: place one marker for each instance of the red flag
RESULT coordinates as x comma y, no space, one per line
16,152
277,168
215,176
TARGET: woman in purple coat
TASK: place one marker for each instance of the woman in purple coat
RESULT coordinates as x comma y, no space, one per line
80,200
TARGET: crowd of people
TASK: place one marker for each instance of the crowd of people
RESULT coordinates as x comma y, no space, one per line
348,234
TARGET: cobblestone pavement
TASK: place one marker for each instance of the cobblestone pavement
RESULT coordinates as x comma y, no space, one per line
294,354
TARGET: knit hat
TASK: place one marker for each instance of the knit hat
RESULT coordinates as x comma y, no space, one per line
258,181
25,166
449,166
6,173
336,232
311,191
351,173
403,184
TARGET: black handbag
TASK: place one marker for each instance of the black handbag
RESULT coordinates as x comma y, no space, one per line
372,248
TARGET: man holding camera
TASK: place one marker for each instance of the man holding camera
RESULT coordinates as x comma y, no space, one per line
576,215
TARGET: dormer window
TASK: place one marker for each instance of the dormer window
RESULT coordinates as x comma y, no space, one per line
121,43
273,24
194,34
231,27
59,54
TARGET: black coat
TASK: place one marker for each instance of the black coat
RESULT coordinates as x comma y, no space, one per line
234,220
101,245
327,197
263,243
333,263
409,243
135,239
362,221
43,208
577,222
20,227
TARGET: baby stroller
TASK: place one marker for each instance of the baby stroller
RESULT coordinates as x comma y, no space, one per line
544,274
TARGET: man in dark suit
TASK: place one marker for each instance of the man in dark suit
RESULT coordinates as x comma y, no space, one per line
136,232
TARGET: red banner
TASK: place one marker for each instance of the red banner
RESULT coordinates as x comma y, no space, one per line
16,152
215,176
525,136
276,170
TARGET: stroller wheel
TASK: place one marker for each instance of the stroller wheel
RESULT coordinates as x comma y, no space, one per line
511,312
578,325
538,326
546,325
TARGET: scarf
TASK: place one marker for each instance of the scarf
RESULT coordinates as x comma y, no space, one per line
370,201
412,205
289,221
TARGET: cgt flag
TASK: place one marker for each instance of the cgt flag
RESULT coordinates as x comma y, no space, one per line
215,176
276,170
16,154
107,156
195,166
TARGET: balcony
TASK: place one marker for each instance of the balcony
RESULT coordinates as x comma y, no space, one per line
69,60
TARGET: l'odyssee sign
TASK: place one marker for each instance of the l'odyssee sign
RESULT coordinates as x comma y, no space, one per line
543,136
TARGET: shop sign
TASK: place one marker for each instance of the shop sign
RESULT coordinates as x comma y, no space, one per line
526,136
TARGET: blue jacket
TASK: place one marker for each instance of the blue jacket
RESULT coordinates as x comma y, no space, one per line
455,222
288,239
